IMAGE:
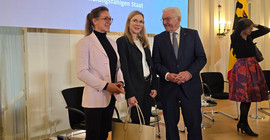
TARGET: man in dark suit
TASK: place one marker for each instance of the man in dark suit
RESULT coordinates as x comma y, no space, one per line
178,59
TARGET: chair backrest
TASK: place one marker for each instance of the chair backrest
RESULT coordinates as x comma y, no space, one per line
73,98
214,81
267,77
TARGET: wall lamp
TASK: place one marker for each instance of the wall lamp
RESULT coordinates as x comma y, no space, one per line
223,26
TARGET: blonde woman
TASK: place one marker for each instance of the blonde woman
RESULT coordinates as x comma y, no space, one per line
136,64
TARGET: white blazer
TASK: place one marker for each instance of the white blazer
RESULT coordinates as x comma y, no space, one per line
94,70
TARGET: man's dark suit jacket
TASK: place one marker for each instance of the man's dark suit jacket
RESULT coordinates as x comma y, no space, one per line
191,58
131,66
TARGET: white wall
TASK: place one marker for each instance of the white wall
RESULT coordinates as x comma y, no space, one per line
50,69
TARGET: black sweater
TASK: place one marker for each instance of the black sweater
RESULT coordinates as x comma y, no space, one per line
246,48
110,52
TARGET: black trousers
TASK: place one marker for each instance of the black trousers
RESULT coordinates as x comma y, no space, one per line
99,121
144,101
191,111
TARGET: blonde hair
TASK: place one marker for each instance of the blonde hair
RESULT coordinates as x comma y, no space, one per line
142,36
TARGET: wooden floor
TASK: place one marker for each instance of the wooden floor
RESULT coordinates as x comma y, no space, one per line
223,128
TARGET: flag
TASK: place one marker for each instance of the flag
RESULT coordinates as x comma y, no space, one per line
241,11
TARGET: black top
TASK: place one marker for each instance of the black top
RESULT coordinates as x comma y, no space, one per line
246,48
110,52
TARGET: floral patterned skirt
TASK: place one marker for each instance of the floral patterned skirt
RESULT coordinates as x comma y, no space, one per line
247,83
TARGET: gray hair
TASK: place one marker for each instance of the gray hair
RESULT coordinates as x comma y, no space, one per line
176,10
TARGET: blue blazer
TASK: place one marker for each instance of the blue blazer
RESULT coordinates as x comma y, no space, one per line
191,57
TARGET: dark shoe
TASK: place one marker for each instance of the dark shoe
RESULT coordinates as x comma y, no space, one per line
238,126
245,128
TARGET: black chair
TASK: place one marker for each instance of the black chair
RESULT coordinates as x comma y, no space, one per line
256,115
213,86
267,79
157,106
73,98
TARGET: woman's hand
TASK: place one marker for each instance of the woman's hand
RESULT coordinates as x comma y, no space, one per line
115,88
153,93
132,101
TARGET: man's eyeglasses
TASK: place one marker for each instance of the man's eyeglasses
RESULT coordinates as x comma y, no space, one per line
168,19
107,19
137,21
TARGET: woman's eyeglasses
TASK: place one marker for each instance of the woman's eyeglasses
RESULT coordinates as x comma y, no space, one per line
107,19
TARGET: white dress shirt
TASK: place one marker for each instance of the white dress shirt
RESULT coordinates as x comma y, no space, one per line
177,35
178,42
146,71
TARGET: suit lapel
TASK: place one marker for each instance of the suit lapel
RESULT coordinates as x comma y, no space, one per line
97,44
169,43
136,48
114,46
181,44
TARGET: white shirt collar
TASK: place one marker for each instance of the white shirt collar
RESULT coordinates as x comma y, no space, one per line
177,35
177,31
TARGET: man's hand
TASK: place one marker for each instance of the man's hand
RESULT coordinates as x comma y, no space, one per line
172,77
182,77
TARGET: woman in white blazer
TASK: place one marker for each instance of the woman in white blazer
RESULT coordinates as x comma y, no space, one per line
99,68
